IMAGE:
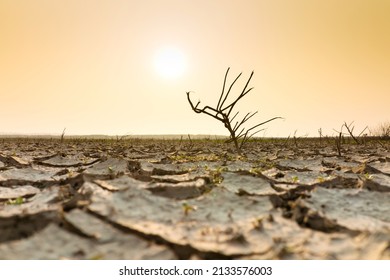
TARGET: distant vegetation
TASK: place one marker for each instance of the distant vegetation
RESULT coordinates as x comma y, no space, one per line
382,130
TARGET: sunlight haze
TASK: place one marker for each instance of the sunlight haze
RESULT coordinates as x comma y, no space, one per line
123,67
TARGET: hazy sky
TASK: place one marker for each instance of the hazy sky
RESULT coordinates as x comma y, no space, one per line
123,67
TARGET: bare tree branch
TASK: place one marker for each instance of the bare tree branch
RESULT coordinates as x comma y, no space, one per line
223,87
350,131
222,113
228,92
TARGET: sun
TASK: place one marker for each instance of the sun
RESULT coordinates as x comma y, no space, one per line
170,63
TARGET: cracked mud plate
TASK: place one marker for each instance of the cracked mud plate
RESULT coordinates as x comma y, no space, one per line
53,243
355,210
207,224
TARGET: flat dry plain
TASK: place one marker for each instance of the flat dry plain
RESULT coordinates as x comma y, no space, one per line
172,199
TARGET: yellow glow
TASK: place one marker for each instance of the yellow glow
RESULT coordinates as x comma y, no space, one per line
316,63
170,63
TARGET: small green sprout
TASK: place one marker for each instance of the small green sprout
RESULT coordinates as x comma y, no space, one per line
187,208
70,174
17,201
216,174
367,176
295,179
258,223
321,179
256,170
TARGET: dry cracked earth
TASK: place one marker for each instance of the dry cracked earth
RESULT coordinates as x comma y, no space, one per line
166,199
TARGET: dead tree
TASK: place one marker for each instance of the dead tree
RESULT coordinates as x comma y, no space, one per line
222,112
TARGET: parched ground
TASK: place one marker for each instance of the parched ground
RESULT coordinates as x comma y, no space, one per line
171,199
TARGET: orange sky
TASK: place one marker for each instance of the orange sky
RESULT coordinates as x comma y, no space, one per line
89,65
